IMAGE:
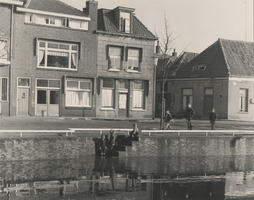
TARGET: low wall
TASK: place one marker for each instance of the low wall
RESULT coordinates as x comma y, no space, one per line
47,148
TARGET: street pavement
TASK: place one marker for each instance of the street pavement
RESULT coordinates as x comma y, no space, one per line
63,123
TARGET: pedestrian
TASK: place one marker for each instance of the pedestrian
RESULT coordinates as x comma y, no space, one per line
213,117
102,145
135,131
189,115
168,119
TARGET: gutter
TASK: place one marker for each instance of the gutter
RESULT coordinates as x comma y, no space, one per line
125,35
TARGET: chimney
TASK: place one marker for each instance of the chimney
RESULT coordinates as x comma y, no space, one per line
174,53
91,10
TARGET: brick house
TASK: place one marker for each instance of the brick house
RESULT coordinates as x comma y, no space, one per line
125,65
6,33
53,64
175,64
220,77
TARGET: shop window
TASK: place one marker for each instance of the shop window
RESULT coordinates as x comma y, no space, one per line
57,55
108,87
138,95
187,97
78,93
243,100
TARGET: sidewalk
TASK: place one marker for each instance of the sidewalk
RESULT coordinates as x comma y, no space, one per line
62,123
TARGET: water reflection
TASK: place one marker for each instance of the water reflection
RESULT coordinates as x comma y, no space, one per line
217,177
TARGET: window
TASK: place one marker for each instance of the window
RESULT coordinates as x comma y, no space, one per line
243,100
134,59
78,24
4,89
56,21
78,93
23,82
138,95
187,95
46,20
4,46
57,55
125,24
123,84
115,57
43,83
108,93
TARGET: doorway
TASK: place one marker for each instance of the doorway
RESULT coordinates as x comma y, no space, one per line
123,105
47,101
208,102
23,101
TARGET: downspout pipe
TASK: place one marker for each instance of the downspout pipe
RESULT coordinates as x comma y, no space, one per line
10,66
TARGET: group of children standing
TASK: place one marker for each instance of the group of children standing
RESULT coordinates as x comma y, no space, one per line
189,115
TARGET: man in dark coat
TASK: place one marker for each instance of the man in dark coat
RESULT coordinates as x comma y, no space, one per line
213,117
189,115
168,119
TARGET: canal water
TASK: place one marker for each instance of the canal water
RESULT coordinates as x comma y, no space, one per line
141,178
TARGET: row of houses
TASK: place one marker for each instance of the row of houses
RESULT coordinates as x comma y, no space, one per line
56,60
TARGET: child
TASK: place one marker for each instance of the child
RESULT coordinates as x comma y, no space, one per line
168,119
213,117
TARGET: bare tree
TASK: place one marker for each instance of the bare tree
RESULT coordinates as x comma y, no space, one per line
165,61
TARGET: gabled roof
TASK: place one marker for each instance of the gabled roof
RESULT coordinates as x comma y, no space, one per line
222,59
107,23
174,63
54,6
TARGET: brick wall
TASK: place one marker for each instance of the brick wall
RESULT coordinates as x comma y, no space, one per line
146,73
25,59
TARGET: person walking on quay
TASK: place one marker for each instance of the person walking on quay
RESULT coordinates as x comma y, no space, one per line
213,117
189,115
168,119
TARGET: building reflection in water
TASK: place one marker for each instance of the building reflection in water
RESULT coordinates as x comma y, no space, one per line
154,178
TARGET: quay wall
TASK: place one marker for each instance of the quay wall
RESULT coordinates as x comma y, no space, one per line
61,147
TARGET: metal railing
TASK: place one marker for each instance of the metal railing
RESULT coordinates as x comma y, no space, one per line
100,130
127,131
206,132
37,131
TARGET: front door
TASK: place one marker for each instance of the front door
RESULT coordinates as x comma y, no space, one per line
123,105
23,101
47,101
208,105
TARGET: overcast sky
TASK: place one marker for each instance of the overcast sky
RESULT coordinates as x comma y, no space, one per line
196,23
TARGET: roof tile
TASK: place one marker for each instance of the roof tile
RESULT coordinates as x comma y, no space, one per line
54,6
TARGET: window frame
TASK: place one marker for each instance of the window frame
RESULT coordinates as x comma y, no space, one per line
121,57
143,90
113,93
90,91
140,55
7,89
123,22
32,18
186,98
246,110
47,49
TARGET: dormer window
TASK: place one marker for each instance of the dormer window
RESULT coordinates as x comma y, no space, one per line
56,21
125,22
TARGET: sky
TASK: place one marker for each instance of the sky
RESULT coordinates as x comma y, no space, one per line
195,24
